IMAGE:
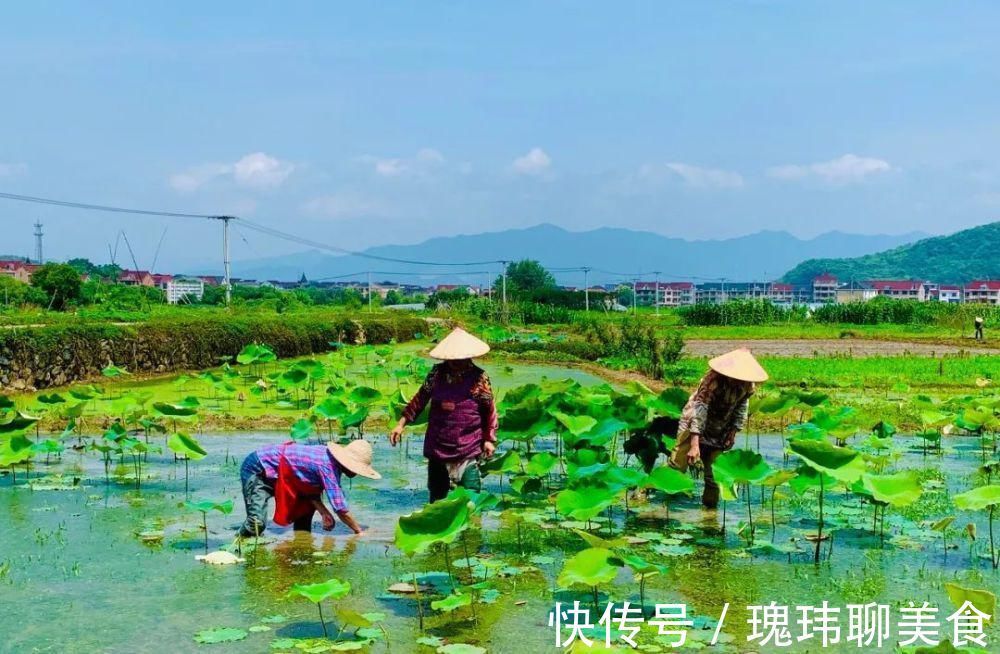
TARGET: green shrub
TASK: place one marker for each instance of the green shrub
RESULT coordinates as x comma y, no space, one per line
739,312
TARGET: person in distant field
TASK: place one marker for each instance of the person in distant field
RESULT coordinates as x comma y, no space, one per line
979,327
297,475
714,414
462,424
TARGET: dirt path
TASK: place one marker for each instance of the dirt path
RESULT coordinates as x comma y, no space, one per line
818,347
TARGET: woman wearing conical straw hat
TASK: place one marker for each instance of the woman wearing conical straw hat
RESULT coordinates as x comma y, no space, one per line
462,424
714,414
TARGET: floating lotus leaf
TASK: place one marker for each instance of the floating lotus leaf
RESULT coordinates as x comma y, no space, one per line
114,371
669,481
900,489
316,593
219,635
54,398
452,602
302,429
841,463
439,522
591,567
460,648
597,541
585,502
352,618
983,600
740,467
541,463
186,446
978,499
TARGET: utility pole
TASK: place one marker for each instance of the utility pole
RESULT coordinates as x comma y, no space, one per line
227,283
38,242
656,291
369,291
503,274
635,285
586,288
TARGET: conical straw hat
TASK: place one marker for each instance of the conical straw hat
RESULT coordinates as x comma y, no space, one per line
738,364
459,344
356,456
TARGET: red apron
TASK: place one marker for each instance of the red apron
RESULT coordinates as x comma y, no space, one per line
293,498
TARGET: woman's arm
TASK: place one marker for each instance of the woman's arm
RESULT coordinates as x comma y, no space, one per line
483,393
348,519
414,407
324,513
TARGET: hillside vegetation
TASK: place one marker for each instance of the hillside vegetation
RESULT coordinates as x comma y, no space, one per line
957,258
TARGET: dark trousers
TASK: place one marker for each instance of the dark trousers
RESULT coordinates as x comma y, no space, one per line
979,332
257,490
439,484
710,496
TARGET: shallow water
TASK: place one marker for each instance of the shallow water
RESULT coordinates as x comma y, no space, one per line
80,579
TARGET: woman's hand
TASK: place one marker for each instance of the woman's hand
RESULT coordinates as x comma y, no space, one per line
396,435
489,448
328,522
694,452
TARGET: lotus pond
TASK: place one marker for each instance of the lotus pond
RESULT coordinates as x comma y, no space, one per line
104,519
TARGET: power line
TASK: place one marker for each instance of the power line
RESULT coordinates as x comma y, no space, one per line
101,207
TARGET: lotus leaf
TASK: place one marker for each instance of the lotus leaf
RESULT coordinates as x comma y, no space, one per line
205,506
590,567
452,602
900,489
439,522
541,463
302,429
978,499
316,593
585,502
365,395
576,425
219,635
740,467
841,463
983,600
460,648
667,480
17,423
187,446
174,410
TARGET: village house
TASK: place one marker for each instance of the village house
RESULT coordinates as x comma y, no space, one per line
855,292
984,291
824,289
179,289
18,269
136,278
899,289
948,293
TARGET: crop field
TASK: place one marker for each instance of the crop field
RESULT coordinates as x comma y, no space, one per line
858,479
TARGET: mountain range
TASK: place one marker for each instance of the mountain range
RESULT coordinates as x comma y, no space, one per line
614,254
956,258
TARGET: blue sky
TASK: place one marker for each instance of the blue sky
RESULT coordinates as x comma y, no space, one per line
393,122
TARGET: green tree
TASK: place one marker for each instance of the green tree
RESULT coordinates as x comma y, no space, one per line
14,293
393,297
526,275
60,282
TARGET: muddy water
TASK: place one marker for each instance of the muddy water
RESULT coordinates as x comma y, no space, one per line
80,580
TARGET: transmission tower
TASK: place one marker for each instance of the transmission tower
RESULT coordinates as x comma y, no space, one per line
38,242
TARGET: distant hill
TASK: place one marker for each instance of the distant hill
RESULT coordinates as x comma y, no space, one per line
958,258
759,256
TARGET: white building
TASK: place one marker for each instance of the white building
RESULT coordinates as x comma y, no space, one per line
178,287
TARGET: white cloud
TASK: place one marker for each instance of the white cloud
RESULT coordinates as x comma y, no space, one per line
691,175
422,161
256,171
843,170
535,162
343,205
12,169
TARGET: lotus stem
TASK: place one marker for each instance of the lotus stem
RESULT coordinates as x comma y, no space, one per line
420,603
319,605
993,557
819,532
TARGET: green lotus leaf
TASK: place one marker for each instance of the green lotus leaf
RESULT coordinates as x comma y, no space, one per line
841,463
174,410
114,371
186,445
355,418
640,566
778,478
619,477
430,641
983,600
331,408
219,635
900,489
541,463
667,480
352,618
576,425
439,522
668,403
460,648
943,524
978,499
48,446
812,399
17,423
522,417
526,484
205,506
509,461
15,449
585,502
740,467
54,398
884,429
365,395
316,593
302,429
255,353
452,602
776,405
807,431
597,541
591,567
7,403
